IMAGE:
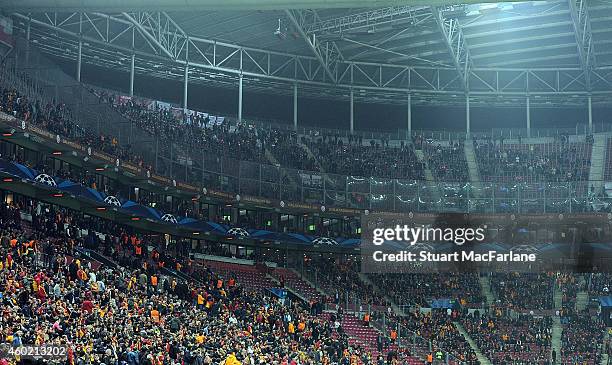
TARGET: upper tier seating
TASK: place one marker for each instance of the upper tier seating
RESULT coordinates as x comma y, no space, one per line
546,162
447,162
366,159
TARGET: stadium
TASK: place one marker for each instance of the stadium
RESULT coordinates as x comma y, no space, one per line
242,182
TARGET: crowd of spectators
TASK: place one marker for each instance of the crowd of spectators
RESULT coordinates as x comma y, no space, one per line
359,158
504,340
341,280
437,328
524,292
447,162
559,161
421,289
600,284
56,117
246,142
241,141
135,314
49,242
582,337
193,138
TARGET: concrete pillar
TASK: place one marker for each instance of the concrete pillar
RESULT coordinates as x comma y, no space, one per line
409,115
352,117
590,106
28,36
79,57
295,107
240,99
132,62
467,114
528,116
185,86
80,52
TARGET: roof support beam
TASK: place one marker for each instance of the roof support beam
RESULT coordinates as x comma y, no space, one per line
584,39
403,56
218,63
334,45
370,18
203,5
327,54
455,43
161,30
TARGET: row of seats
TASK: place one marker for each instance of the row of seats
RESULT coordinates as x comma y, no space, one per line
505,340
519,337
581,339
134,313
423,288
224,144
447,162
523,292
548,162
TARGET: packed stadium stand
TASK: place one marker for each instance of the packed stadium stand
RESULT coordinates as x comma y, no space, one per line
551,162
446,160
504,340
134,231
422,289
511,289
499,338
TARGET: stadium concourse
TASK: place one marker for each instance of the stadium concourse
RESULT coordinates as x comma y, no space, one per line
134,231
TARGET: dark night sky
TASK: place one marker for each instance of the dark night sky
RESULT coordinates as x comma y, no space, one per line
332,113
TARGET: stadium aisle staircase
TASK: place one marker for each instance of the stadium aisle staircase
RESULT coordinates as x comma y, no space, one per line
310,154
298,284
95,255
275,162
432,187
598,157
314,158
473,173
557,332
365,337
557,297
485,285
557,328
582,300
364,278
481,358
605,357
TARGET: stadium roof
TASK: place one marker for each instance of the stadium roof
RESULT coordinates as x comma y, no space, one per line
560,50
207,5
